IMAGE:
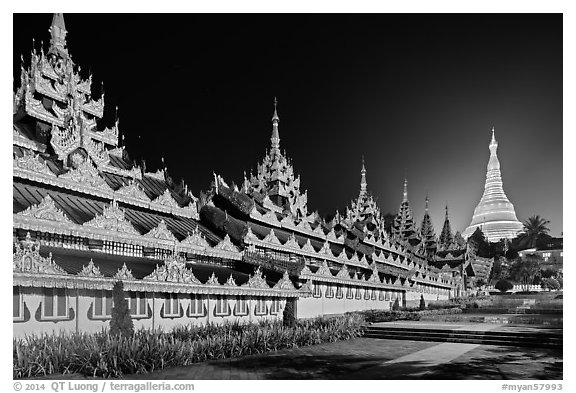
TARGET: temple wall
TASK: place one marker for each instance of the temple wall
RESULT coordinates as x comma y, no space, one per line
75,311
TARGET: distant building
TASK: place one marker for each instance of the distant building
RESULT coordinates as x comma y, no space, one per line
495,213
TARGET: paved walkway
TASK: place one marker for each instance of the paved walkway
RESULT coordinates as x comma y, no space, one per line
367,358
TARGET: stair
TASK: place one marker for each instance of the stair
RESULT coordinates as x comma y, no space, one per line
491,337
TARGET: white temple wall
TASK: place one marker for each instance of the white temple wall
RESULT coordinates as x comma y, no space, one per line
40,310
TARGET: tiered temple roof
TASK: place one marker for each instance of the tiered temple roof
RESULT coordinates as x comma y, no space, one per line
354,248
404,227
78,198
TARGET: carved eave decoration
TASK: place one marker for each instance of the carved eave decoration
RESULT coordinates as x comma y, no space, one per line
166,200
292,242
87,176
162,233
213,280
250,237
90,270
271,218
308,247
173,270
45,210
325,249
343,273
230,282
190,210
36,109
324,270
27,259
195,240
32,162
226,245
285,282
112,219
271,238
257,280
124,274
134,193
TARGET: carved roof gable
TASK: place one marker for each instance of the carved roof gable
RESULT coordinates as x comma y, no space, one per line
271,238
46,210
257,280
161,232
112,219
292,242
133,190
173,270
284,282
195,240
226,245
87,175
167,200
124,273
230,282
324,270
343,272
308,246
90,270
213,280
27,259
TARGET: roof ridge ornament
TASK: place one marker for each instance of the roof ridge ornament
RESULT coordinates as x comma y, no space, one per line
275,139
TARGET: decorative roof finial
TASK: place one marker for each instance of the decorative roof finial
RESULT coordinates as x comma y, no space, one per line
446,210
426,204
363,183
275,134
493,141
58,36
405,199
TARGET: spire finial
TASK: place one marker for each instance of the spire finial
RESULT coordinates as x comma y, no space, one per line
426,203
493,142
446,209
275,134
405,199
363,183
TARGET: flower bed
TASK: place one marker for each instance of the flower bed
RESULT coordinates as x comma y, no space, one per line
102,355
373,316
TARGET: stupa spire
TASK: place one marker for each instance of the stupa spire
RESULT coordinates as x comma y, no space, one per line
275,139
58,36
494,213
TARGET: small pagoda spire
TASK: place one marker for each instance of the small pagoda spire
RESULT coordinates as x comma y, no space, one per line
426,204
493,143
275,134
363,183
405,198
58,36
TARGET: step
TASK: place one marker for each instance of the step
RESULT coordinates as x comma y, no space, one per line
463,331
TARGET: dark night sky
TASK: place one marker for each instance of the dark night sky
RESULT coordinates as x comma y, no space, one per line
415,94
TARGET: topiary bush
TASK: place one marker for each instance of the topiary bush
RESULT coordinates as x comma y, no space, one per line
422,303
396,305
121,323
288,315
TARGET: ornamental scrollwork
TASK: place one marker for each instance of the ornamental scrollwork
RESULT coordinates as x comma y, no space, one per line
124,273
161,232
257,280
90,270
112,219
285,282
173,270
32,162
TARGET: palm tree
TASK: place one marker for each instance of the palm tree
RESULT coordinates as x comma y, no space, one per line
534,228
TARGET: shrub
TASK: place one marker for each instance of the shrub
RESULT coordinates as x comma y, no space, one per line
503,285
104,355
396,305
121,323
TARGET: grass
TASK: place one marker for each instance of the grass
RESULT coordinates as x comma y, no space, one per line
102,355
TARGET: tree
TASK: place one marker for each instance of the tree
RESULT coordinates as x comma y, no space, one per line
534,229
525,271
503,285
121,323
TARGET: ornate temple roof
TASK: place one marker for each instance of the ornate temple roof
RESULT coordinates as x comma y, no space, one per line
494,213
427,232
403,227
